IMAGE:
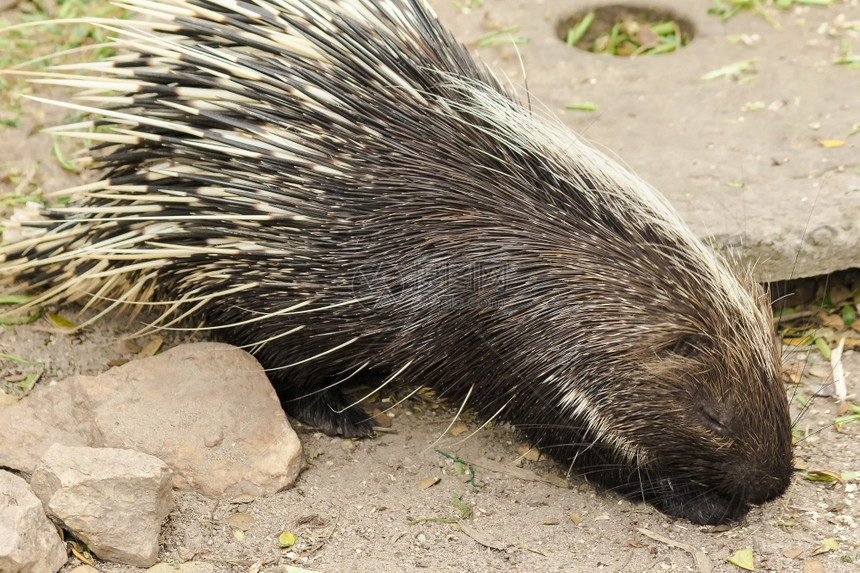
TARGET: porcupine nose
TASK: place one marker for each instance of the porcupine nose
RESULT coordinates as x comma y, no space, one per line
761,467
758,482
757,472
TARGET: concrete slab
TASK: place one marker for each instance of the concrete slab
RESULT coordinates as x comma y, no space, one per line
754,182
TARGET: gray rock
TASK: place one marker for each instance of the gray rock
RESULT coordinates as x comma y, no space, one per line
207,410
32,424
29,542
113,500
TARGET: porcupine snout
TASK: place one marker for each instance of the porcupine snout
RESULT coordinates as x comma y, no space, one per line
762,468
754,444
715,430
764,465
728,464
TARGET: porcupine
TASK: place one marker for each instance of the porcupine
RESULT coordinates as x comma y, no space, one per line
339,187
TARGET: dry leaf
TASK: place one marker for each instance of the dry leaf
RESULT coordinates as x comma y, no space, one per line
428,482
59,321
241,521
556,480
128,346
529,453
793,373
286,539
743,559
481,537
825,476
793,553
829,143
151,347
647,37
831,320
827,545
380,418
459,429
78,551
843,409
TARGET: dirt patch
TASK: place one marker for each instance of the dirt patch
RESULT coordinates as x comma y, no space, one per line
358,507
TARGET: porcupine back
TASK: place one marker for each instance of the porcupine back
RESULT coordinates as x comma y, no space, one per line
338,187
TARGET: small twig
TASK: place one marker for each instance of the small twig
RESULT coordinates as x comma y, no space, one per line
703,562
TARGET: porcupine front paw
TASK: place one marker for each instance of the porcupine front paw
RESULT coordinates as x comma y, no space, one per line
330,411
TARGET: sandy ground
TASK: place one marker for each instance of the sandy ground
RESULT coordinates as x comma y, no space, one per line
353,509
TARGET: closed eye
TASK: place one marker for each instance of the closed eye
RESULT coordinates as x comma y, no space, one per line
690,346
714,420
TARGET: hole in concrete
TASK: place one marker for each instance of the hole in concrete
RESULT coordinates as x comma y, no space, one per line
620,30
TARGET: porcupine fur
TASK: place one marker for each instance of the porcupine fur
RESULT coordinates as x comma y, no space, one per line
338,187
